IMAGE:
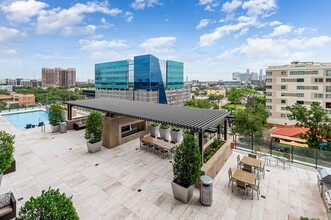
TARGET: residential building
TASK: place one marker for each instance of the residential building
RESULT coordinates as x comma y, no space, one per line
246,77
57,77
145,78
7,87
298,82
232,83
15,98
216,91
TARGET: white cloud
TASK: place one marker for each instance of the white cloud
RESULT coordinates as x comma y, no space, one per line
22,11
105,23
274,23
11,35
95,45
229,7
8,51
259,7
281,30
128,16
210,5
203,23
142,4
305,43
159,44
203,2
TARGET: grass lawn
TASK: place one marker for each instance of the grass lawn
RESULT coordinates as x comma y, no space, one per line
236,106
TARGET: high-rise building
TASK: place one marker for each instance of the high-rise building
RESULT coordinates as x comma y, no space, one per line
298,82
145,78
58,77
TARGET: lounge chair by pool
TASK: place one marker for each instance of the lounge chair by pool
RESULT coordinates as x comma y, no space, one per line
28,126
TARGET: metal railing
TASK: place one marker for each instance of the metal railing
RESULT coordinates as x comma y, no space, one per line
301,155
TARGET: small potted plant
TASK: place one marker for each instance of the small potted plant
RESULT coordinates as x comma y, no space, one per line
55,116
186,168
165,132
154,129
176,134
51,204
93,132
6,152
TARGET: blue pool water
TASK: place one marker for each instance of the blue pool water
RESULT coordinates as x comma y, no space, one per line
21,119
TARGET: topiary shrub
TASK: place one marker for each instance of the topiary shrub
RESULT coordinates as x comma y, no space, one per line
187,162
55,114
6,150
93,131
51,204
164,126
175,129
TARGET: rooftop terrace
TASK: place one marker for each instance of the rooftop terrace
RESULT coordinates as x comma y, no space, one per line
104,185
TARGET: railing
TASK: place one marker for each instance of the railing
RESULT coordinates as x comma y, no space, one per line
306,156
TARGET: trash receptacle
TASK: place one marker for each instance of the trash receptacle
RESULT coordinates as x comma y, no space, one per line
63,127
206,190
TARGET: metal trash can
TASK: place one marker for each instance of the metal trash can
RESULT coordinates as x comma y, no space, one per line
63,127
206,190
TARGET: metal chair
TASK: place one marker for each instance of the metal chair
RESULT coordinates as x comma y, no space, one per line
286,159
256,188
231,180
247,168
238,162
252,156
242,186
261,170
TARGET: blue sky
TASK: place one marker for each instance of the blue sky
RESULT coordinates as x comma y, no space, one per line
212,37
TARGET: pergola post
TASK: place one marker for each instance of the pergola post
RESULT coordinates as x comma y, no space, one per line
69,111
219,131
201,145
225,129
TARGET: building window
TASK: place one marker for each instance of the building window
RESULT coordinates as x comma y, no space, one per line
268,100
270,114
268,73
328,89
300,95
282,94
268,107
300,87
328,112
328,96
268,80
282,80
283,101
283,115
300,80
268,87
297,73
328,80
315,72
315,87
318,96
300,102
283,73
283,87
268,94
283,108
318,79
328,73
328,105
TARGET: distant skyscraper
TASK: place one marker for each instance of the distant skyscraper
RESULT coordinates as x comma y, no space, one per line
58,77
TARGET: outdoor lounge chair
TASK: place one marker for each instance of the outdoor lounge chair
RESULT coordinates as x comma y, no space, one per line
41,124
9,211
285,159
79,125
28,126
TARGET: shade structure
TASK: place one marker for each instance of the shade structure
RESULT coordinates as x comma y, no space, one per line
195,119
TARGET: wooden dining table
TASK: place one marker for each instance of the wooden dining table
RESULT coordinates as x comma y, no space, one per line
244,176
160,143
251,161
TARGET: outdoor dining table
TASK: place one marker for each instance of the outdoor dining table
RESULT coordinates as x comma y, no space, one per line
244,176
160,143
251,161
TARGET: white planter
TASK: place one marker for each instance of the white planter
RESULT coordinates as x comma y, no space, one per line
92,148
181,193
176,136
55,128
155,132
165,133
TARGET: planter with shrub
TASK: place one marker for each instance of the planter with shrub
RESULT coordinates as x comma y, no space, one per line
154,129
55,116
6,152
186,168
165,132
51,204
93,132
176,134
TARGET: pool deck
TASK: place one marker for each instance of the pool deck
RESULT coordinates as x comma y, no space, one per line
105,185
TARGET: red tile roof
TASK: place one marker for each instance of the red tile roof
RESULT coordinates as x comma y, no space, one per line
290,131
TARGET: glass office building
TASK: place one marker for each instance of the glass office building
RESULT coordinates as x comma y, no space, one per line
146,76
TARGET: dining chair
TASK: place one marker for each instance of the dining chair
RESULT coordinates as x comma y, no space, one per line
247,168
285,159
252,156
241,186
231,180
255,187
261,169
238,162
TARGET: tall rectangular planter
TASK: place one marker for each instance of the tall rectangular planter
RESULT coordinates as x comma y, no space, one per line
12,167
181,193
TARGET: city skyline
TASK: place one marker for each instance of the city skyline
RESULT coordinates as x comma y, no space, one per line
218,36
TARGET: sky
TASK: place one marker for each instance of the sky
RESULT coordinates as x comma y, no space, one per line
212,37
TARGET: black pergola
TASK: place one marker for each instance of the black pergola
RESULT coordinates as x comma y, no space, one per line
195,119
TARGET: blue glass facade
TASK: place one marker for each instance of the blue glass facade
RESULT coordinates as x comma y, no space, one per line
113,75
175,75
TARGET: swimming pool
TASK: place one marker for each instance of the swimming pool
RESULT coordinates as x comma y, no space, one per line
21,119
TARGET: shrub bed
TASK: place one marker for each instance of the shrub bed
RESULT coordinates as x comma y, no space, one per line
212,149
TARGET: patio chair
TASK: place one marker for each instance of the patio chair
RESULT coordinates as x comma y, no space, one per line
261,170
252,156
238,162
242,186
40,124
259,153
231,180
156,149
256,188
9,211
285,159
247,168
28,126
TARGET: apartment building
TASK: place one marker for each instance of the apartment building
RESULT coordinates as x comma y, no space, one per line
15,98
57,77
298,82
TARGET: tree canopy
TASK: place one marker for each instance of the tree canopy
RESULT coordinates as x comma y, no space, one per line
316,119
234,95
